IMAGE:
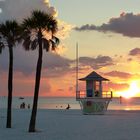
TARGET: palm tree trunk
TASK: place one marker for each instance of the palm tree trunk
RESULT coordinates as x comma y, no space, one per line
10,87
36,92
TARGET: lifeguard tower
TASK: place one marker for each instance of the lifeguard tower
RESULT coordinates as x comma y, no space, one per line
94,100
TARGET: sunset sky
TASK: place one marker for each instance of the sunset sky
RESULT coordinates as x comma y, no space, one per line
108,36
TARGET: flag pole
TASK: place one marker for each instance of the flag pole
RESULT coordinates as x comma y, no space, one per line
77,71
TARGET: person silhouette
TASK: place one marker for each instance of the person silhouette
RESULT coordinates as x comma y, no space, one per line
68,107
97,93
28,106
22,106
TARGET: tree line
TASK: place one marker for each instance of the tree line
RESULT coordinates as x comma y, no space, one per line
35,32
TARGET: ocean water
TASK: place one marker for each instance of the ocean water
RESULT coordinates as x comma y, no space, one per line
62,102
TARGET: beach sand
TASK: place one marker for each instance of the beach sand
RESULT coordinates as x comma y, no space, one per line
72,125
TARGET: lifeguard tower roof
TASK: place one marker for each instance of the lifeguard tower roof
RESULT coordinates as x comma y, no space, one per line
94,76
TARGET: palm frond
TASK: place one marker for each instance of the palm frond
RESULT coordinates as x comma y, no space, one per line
28,24
40,22
52,25
34,44
56,40
27,43
10,30
46,44
54,43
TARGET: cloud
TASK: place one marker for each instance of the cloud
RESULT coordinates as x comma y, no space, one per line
129,59
25,62
64,29
126,24
86,27
135,52
118,86
71,88
24,85
123,75
51,9
54,65
52,61
19,9
96,63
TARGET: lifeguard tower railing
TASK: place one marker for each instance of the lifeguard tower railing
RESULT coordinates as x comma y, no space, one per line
82,95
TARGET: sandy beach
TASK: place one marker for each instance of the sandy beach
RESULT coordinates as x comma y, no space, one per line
72,125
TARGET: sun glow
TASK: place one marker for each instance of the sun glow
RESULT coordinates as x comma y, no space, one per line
132,91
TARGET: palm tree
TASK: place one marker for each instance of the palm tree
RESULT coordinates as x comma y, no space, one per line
39,31
9,32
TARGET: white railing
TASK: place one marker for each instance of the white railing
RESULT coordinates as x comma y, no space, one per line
105,94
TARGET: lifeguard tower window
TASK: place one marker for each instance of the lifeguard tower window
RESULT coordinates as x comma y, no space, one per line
96,86
89,93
